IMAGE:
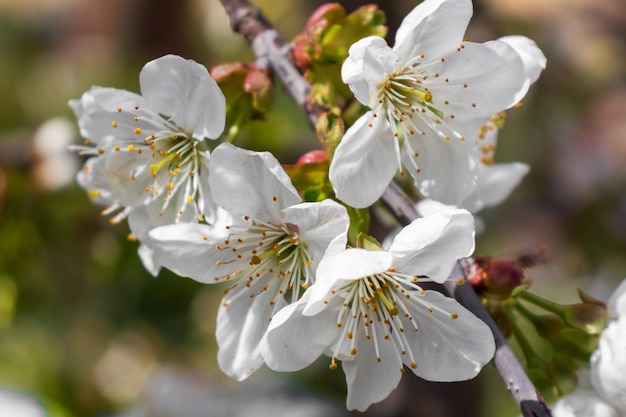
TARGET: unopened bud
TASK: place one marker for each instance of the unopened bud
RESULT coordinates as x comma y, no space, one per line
497,278
313,157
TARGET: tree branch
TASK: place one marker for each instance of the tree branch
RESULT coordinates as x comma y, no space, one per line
270,46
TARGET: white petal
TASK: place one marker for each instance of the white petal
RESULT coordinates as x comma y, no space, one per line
97,109
241,324
583,403
447,168
320,226
206,205
433,28
149,260
608,364
370,60
370,381
495,183
120,169
183,90
92,177
364,162
534,60
336,270
617,302
138,221
102,99
250,183
482,80
189,250
447,349
426,207
294,341
431,245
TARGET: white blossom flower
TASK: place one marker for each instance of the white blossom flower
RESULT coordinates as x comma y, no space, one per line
494,182
584,403
427,94
368,309
147,150
608,364
269,252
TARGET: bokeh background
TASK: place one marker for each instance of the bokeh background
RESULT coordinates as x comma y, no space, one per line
85,331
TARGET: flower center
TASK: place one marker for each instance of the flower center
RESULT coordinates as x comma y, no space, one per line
402,96
386,299
407,102
266,257
166,163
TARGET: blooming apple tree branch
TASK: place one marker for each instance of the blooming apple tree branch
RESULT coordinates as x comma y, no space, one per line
269,45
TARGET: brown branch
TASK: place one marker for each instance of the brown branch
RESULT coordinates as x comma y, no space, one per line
269,45
529,400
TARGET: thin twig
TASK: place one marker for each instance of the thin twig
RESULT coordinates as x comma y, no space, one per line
269,45
517,382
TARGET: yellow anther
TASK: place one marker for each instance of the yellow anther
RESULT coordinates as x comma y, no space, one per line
113,123
154,168
138,131
94,193
131,148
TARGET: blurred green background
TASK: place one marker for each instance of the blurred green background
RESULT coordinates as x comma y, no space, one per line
84,329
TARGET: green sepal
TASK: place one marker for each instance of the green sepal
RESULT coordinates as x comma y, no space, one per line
249,93
363,22
329,129
359,223
311,180
322,48
367,242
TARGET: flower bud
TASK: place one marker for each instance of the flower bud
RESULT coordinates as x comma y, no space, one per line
313,157
498,278
248,90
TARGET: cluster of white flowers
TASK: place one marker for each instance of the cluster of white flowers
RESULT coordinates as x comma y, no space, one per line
298,289
603,392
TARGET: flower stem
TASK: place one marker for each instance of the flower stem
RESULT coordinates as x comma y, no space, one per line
542,302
